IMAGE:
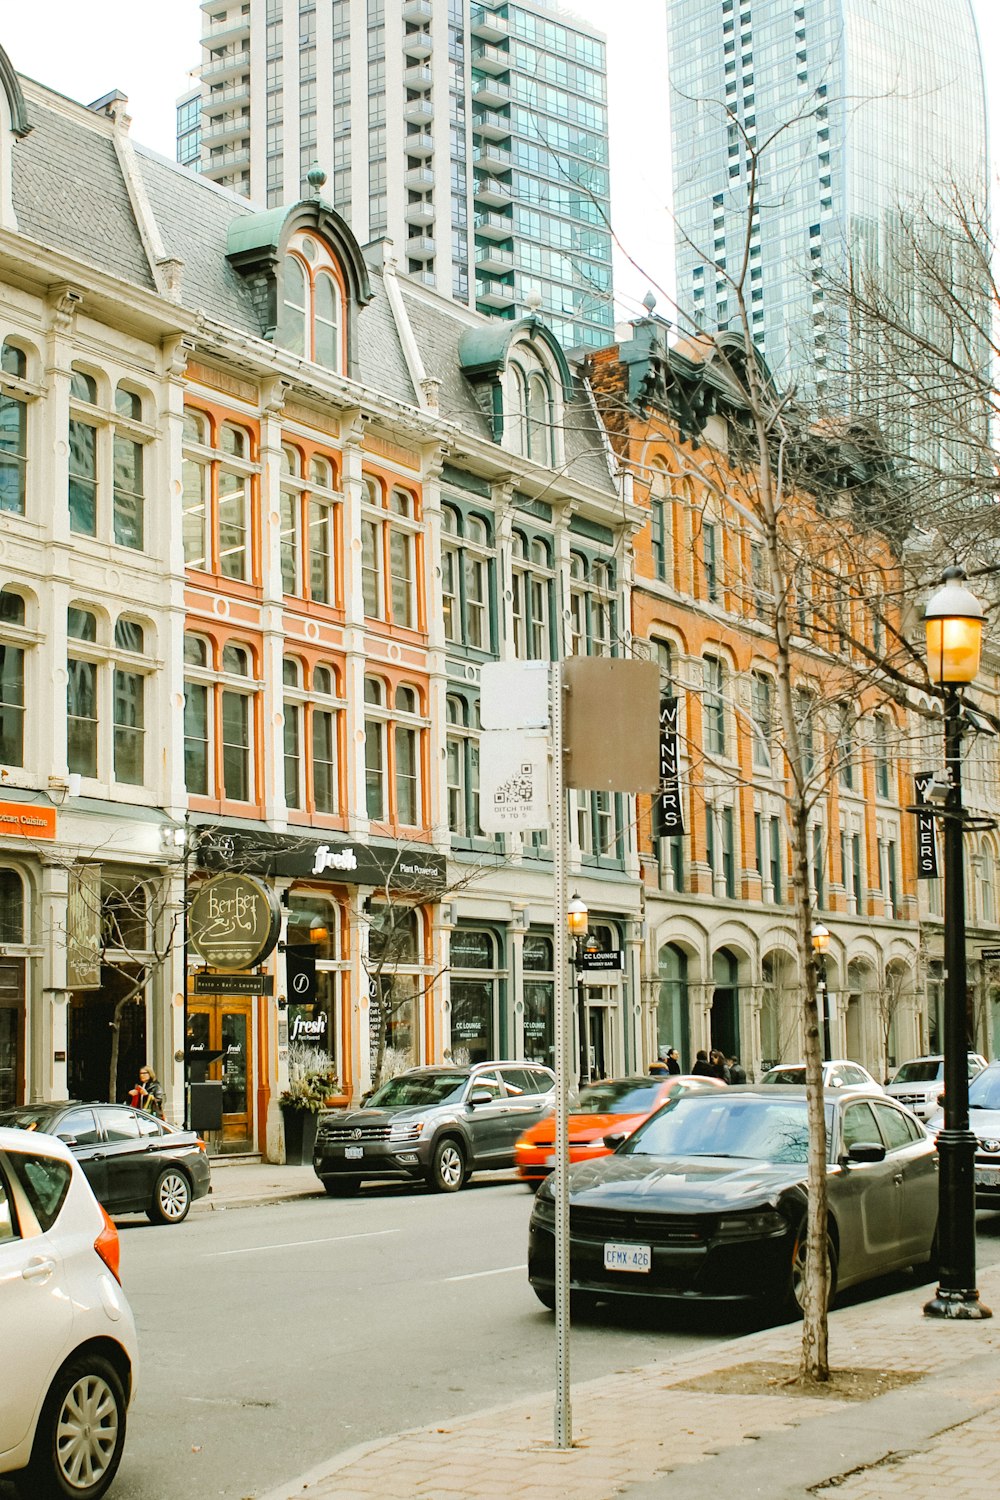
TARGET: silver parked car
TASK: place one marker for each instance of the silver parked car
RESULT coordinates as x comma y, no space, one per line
435,1124
984,1119
918,1083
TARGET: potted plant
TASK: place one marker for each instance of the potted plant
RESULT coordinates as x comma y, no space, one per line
312,1077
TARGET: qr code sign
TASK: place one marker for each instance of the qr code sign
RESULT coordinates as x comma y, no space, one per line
517,789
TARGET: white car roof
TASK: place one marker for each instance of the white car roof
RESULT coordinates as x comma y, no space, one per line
12,1139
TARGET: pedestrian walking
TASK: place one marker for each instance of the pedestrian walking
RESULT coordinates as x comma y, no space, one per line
147,1094
737,1072
717,1066
672,1060
702,1067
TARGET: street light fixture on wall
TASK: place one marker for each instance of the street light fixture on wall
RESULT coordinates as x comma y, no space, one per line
821,943
954,621
577,921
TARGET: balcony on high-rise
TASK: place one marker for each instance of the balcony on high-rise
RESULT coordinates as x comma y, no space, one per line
217,69
227,32
493,293
419,111
491,92
231,128
419,12
419,143
488,122
492,157
419,179
418,44
492,226
421,247
494,258
492,192
420,212
419,78
494,60
487,25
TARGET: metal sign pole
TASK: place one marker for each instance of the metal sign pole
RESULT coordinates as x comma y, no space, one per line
563,1042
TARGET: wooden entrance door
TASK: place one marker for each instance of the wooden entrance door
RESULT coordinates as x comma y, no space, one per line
11,1033
225,1025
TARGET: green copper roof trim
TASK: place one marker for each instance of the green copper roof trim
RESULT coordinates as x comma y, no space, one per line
482,352
20,124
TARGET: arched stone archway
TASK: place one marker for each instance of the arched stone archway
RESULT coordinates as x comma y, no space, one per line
780,1009
673,1007
725,1016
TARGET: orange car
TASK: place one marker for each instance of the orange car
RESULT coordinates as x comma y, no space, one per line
616,1105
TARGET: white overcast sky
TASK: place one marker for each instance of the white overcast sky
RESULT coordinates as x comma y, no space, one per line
86,48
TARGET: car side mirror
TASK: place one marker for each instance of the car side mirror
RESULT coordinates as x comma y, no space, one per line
614,1140
863,1151
481,1096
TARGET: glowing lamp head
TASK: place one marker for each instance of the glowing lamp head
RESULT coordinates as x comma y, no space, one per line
576,917
820,938
954,620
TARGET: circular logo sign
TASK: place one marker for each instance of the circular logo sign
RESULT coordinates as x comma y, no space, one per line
233,921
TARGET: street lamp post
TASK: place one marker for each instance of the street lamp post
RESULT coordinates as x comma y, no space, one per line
954,621
821,942
577,921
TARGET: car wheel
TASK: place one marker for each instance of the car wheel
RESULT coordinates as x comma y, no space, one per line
447,1171
81,1433
171,1198
795,1290
342,1187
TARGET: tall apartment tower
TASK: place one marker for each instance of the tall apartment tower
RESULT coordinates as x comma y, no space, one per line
880,106
473,135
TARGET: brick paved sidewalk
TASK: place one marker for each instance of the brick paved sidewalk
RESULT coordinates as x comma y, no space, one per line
637,1434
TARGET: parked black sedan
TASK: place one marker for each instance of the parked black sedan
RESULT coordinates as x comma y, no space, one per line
133,1162
708,1199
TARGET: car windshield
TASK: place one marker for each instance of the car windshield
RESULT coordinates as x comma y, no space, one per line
785,1075
626,1098
422,1088
984,1090
927,1070
717,1124
27,1119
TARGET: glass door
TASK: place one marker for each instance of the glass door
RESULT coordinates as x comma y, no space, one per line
220,1049
11,1033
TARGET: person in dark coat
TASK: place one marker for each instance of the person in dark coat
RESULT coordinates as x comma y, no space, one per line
737,1072
658,1068
717,1065
672,1060
702,1067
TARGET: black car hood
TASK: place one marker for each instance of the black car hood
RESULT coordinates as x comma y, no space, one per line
683,1184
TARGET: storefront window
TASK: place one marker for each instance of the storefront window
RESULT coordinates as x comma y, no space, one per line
312,949
473,996
539,1000
11,907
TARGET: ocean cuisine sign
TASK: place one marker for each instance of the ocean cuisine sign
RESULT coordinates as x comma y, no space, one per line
233,921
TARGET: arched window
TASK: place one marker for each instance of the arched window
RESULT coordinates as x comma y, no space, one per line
672,1010
312,303
726,1003
11,907
13,655
13,432
539,419
517,424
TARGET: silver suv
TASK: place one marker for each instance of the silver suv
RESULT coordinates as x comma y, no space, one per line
439,1124
918,1083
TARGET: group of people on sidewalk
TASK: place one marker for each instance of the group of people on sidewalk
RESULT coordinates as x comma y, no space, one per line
706,1065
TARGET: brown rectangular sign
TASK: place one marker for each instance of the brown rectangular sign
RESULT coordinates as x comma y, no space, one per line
611,724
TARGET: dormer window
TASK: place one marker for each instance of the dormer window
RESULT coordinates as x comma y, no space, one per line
312,307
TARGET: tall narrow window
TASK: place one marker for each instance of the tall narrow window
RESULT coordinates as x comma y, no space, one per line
129,708
375,788
661,534
713,706
234,506
407,764
13,433
290,520
81,697
11,680
291,677
401,562
324,734
237,763
881,754
762,719
197,721
82,455
129,484
196,488
845,745
710,554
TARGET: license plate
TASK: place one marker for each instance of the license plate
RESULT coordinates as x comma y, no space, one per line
627,1258
354,1153
987,1176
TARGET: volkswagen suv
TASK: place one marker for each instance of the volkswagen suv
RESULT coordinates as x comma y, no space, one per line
438,1125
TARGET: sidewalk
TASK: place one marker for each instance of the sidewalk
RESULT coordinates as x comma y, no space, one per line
238,1184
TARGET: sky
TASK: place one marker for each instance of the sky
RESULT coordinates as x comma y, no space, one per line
86,48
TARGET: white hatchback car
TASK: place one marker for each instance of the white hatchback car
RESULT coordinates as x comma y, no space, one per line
69,1345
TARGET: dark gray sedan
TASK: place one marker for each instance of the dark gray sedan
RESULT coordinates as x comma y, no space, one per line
437,1125
708,1199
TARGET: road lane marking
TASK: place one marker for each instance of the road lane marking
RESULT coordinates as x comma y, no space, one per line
472,1275
335,1239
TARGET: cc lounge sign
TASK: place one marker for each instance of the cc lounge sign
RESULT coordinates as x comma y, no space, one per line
233,921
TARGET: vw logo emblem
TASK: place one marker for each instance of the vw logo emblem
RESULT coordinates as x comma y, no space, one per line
355,1134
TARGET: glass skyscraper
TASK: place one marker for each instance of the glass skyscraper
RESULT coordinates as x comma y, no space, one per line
474,135
859,110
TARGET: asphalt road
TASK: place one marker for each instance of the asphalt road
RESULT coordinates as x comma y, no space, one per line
274,1337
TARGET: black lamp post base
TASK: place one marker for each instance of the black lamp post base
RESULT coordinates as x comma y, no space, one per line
957,1304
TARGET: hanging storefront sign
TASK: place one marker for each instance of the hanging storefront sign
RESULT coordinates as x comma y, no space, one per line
300,972
233,921
668,811
403,869
927,865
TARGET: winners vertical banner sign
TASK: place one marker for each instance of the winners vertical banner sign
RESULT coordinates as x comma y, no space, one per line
927,865
668,813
